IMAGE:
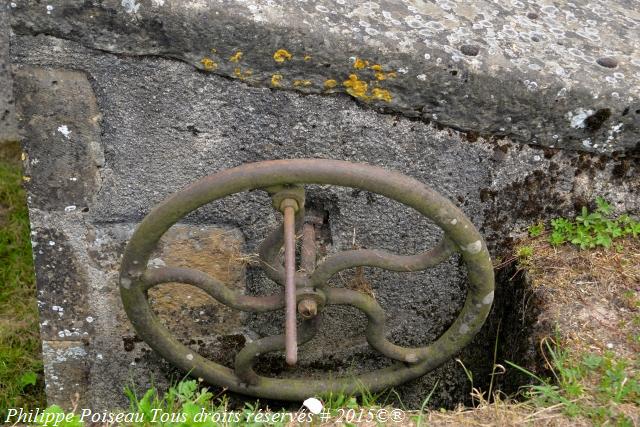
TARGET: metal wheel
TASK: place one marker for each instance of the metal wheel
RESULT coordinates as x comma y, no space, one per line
306,291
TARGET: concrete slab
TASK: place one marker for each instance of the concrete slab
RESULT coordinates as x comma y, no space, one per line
552,73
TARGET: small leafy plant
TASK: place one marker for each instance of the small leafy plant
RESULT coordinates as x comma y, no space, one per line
592,386
536,230
591,229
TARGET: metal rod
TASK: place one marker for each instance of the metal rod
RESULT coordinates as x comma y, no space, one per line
291,342
308,253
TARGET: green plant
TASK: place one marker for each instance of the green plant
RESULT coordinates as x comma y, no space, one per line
186,404
182,405
592,386
524,254
425,402
591,229
55,416
21,378
536,230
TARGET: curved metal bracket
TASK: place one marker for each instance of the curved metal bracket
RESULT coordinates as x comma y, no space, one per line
306,291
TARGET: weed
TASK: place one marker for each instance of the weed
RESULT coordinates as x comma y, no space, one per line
524,254
536,230
186,404
591,385
425,402
591,229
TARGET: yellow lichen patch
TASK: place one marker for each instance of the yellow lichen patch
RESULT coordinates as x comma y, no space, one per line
26,178
359,64
23,156
236,56
208,64
330,84
380,75
282,55
241,74
304,83
356,87
214,50
276,79
307,57
381,94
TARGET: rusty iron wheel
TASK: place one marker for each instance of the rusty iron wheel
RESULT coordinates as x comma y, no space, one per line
460,236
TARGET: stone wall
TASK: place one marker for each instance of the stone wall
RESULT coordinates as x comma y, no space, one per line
119,107
8,130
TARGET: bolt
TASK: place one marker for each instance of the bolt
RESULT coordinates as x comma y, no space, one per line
307,308
289,203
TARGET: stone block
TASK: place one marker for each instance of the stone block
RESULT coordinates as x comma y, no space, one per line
59,116
66,368
142,127
560,75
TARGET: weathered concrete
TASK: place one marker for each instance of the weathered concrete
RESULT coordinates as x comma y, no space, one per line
551,73
139,128
8,129
73,154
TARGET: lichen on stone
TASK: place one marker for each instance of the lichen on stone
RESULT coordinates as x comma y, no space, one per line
381,94
236,56
241,74
305,83
282,55
208,64
356,87
384,76
276,79
330,84
359,63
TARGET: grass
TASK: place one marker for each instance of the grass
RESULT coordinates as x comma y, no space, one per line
584,275
187,404
21,380
602,388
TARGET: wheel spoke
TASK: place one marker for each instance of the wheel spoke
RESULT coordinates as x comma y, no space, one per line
245,359
213,287
376,328
382,259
